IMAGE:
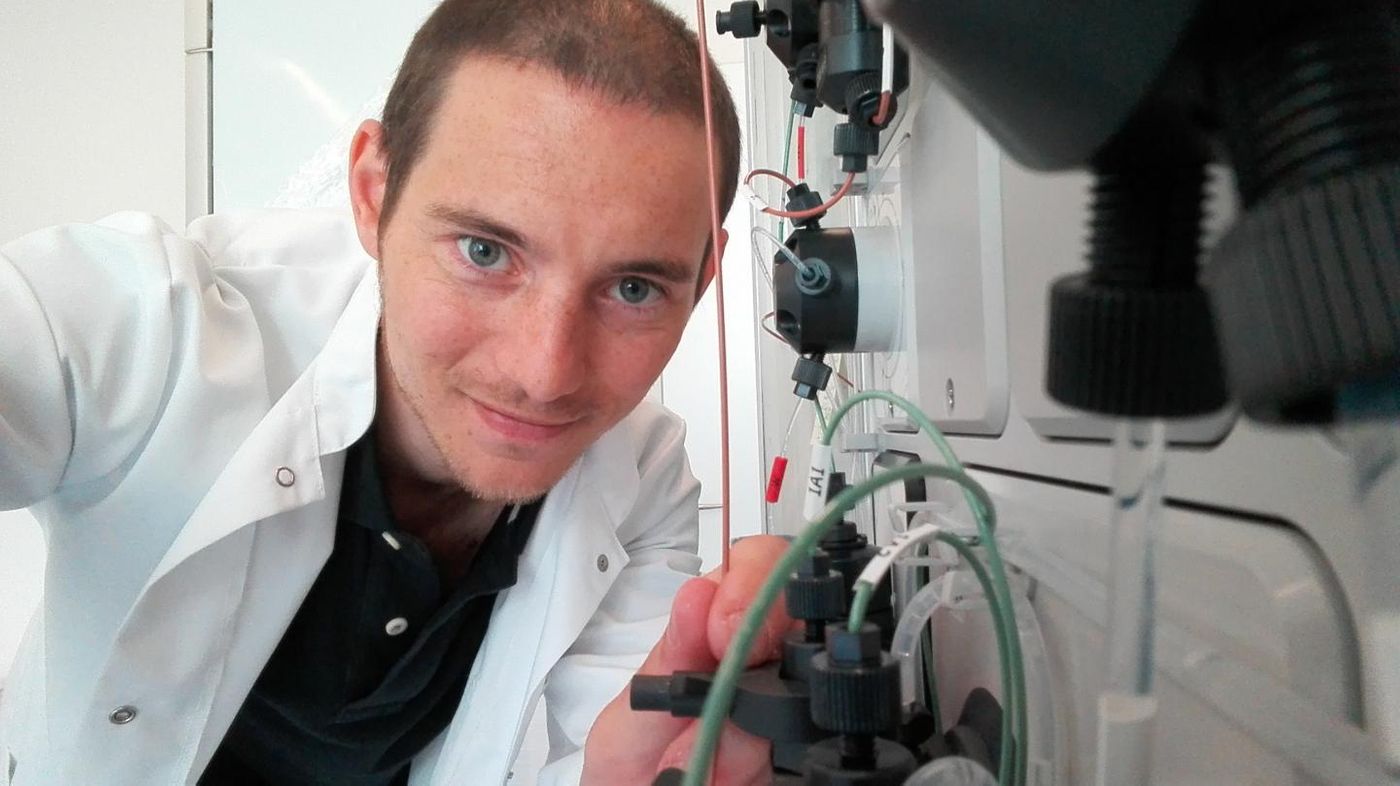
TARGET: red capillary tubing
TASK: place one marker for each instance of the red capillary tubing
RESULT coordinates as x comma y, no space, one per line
708,101
801,150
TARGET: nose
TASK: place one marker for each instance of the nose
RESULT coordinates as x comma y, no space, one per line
550,362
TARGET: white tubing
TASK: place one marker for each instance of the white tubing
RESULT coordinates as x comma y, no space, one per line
1125,738
887,60
905,645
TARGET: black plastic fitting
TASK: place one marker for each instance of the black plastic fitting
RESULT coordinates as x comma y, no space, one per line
855,683
811,375
1305,285
855,144
742,20
816,594
1134,336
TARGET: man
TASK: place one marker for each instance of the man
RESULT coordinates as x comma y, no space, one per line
335,501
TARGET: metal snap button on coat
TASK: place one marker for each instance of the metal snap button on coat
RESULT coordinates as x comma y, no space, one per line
286,477
602,563
122,715
396,626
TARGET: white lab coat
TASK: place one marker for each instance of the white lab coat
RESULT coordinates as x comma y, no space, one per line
176,409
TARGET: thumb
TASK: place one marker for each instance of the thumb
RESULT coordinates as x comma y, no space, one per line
685,644
624,746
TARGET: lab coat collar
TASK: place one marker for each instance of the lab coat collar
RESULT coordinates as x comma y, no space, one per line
343,386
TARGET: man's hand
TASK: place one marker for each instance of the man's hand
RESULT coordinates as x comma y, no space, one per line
627,747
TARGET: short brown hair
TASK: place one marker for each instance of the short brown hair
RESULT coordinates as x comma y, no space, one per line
633,51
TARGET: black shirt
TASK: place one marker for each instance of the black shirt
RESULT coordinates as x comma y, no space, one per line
373,665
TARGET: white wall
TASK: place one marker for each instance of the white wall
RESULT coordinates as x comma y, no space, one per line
94,111
93,121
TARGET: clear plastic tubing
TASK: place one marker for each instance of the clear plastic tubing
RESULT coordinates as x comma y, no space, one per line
1128,704
905,644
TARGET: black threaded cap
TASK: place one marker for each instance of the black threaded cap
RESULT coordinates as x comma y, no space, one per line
1307,294
815,592
1306,286
1134,336
855,144
855,684
863,98
1133,352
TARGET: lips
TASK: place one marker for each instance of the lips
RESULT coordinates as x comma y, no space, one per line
517,428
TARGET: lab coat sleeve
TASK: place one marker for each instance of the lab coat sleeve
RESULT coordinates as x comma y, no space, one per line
85,349
661,538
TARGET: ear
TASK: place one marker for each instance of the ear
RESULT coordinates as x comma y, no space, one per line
369,173
707,268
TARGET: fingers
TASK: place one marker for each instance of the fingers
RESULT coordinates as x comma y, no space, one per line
743,759
624,745
685,644
750,562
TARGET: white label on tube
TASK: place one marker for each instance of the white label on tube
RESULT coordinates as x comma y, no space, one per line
817,477
880,564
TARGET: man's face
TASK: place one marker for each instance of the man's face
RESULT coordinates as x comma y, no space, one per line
537,272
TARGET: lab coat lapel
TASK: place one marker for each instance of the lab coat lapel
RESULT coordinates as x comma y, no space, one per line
567,568
268,505
278,467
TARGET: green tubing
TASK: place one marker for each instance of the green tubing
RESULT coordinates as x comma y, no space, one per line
1009,662
721,695
985,518
864,591
916,414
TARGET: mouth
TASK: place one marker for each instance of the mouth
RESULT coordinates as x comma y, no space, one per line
520,428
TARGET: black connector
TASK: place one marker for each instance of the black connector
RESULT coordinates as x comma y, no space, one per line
742,20
811,375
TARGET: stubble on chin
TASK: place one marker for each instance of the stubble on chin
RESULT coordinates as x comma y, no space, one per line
443,445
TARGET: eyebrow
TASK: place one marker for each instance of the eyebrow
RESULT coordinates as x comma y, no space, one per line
669,270
471,221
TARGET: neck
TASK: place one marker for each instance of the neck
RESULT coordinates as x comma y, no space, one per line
425,497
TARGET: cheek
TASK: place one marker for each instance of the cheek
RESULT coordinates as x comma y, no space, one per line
634,361
429,330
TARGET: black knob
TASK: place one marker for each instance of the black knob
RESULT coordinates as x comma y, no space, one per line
855,684
1134,336
1306,285
743,20
816,594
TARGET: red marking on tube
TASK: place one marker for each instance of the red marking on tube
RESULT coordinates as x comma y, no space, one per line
775,479
801,152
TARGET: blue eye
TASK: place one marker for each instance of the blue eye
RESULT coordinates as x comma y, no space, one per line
636,291
482,253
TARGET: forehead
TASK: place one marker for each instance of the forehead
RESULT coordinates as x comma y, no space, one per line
521,141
